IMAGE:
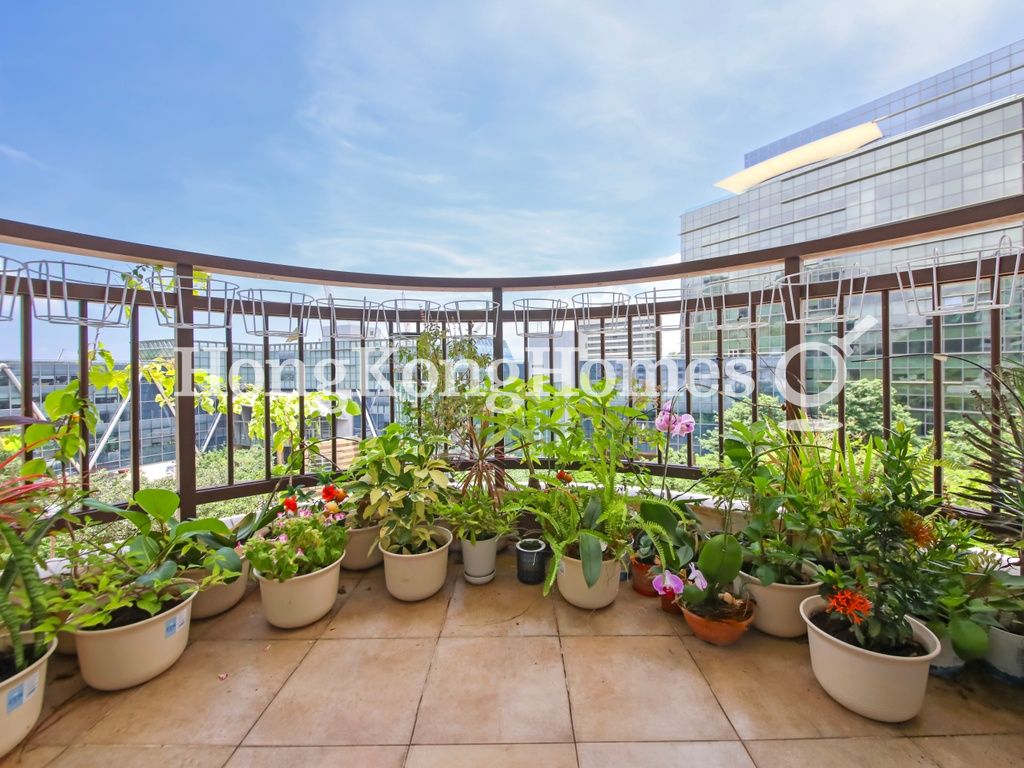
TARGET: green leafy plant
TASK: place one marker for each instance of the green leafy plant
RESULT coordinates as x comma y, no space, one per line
708,588
667,535
297,543
475,516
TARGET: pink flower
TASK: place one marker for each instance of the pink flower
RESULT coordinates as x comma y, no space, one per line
698,579
682,425
282,539
663,421
239,548
299,552
667,584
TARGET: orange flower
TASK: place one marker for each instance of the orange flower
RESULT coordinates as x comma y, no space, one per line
919,529
564,476
291,504
853,605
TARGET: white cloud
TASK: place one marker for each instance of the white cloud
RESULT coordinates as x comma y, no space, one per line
18,156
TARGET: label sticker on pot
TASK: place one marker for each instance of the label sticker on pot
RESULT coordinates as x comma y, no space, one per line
22,692
173,624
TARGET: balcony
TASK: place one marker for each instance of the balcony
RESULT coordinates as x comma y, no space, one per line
210,394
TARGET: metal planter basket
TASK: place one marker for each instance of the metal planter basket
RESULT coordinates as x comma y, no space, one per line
596,312
11,272
256,306
539,318
921,287
211,298
408,318
850,285
472,318
348,319
109,295
743,303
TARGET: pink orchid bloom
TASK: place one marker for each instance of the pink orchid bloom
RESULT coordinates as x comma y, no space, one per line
283,538
682,425
667,584
663,421
698,579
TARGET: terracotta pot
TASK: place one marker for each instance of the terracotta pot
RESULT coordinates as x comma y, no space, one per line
21,696
886,688
573,587
363,549
479,561
122,657
301,600
778,605
417,577
717,632
220,597
641,573
1006,654
669,604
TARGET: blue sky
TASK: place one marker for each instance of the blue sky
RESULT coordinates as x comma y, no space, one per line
402,137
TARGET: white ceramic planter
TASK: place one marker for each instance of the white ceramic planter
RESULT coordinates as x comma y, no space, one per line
112,659
1006,654
363,549
21,697
479,560
778,605
417,577
573,587
301,600
886,688
947,662
220,597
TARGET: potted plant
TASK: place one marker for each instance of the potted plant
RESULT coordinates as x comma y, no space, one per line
414,547
711,608
378,483
127,598
642,559
31,502
297,561
667,526
867,650
478,521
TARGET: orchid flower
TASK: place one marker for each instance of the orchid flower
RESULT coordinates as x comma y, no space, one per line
682,425
667,583
697,578
663,421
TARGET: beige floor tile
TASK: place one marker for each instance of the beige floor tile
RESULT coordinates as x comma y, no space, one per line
974,703
349,692
317,757
371,612
66,724
28,756
630,614
493,756
191,704
706,754
767,688
956,751
640,689
495,690
504,607
246,621
838,753
136,756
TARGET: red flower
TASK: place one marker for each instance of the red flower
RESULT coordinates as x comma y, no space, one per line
564,476
919,529
329,492
853,605
291,504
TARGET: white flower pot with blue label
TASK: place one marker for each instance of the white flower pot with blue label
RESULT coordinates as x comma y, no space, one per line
21,696
122,657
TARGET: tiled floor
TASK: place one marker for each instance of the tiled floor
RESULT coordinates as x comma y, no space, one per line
499,676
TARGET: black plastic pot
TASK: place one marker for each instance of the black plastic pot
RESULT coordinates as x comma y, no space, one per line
532,563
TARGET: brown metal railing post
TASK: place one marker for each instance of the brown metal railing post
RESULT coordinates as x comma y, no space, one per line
300,385
937,399
184,400
720,351
267,434
886,363
135,396
687,320
26,363
840,335
83,389
229,393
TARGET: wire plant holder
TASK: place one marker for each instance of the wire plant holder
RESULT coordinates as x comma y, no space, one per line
743,303
591,307
844,304
539,318
348,319
668,304
922,291
211,298
408,318
109,295
472,318
255,305
10,279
